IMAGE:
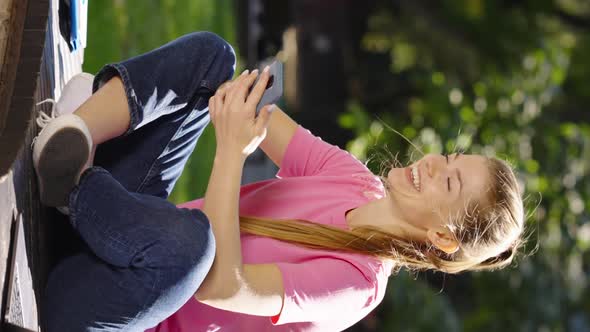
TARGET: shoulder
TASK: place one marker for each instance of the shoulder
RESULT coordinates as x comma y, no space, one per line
374,271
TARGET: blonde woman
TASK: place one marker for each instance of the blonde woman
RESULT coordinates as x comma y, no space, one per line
310,250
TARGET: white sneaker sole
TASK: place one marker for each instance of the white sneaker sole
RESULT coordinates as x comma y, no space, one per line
60,155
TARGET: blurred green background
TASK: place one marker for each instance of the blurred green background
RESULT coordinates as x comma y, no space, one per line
504,78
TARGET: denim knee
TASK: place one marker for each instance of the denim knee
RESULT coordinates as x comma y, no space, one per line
218,46
187,246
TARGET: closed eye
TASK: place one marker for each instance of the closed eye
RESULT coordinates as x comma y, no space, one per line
448,178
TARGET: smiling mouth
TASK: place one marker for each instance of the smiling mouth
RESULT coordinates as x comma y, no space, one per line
414,177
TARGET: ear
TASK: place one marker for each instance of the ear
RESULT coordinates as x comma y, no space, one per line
443,240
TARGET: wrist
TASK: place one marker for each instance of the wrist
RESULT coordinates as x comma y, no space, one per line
229,156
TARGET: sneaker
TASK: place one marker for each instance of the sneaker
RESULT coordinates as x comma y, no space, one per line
61,153
59,168
76,91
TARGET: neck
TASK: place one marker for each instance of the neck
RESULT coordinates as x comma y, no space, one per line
384,214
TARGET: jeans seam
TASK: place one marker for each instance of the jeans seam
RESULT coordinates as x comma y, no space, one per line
205,84
106,232
73,198
157,280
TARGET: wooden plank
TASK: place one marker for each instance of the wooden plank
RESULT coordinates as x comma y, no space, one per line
5,15
32,37
29,73
22,306
20,70
14,135
11,56
47,236
33,43
7,206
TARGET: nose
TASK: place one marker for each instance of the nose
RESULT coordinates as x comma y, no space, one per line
434,166
428,167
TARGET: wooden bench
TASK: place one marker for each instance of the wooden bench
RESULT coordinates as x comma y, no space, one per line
36,62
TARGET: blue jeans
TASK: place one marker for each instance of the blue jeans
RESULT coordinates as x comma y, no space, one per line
145,257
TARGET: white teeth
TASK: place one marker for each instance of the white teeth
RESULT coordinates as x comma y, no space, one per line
416,178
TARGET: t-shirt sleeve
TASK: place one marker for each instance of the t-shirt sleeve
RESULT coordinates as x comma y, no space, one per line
307,154
324,291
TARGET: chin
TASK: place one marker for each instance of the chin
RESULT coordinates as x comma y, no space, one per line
391,176
395,176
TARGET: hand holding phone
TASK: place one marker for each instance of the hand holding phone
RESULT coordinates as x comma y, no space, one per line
274,88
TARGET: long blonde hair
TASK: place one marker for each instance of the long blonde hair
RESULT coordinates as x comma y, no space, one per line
488,236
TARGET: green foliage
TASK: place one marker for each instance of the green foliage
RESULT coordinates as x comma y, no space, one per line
419,300
500,80
120,29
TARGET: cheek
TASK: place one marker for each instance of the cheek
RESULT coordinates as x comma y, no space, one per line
455,209
438,199
436,193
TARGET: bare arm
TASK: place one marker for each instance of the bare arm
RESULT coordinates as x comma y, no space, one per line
253,289
279,133
259,291
221,207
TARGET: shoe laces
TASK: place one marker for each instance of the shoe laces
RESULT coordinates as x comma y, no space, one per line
43,118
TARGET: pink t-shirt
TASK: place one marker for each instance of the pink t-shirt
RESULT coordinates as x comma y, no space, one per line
324,290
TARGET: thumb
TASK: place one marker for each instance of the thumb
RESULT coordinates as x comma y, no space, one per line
264,118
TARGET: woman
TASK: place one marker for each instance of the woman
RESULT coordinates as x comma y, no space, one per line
308,251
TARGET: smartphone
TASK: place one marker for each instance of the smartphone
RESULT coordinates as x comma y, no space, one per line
274,87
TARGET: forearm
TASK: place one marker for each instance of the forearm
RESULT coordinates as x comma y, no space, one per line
221,203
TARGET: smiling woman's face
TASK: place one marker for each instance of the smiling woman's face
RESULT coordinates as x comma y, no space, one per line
438,186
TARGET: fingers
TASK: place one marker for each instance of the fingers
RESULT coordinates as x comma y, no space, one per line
223,94
223,89
242,86
212,109
227,86
238,89
235,91
215,106
264,119
258,90
246,83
